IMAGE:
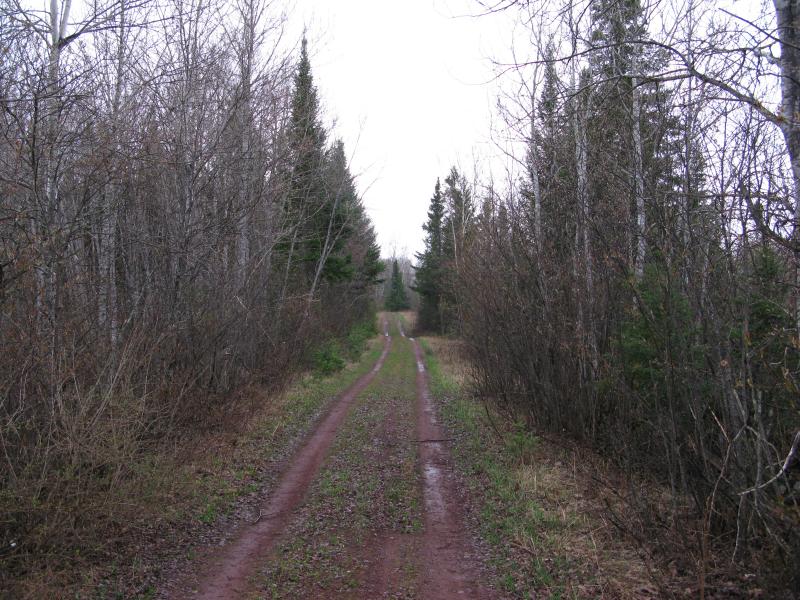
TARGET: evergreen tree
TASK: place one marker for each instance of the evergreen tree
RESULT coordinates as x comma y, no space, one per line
457,230
397,298
341,211
308,204
429,270
550,99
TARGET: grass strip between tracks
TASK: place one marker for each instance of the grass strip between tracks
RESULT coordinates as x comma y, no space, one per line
365,499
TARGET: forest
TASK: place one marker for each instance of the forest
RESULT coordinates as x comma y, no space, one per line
181,235
634,285
176,226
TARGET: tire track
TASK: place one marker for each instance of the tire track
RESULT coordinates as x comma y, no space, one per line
451,568
227,573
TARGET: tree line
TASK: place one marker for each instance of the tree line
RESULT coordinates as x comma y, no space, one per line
635,286
176,223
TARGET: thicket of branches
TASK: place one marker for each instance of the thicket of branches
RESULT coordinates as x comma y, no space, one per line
174,225
637,286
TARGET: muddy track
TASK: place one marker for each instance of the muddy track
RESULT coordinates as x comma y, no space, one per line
225,575
451,566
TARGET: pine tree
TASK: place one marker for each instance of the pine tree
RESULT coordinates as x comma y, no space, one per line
335,264
307,206
397,298
429,270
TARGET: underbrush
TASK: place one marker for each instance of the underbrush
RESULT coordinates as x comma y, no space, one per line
332,355
565,522
535,504
102,498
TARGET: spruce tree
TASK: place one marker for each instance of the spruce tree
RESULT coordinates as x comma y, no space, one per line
308,204
338,216
429,274
397,298
459,216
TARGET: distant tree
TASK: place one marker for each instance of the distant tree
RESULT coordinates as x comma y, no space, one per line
397,298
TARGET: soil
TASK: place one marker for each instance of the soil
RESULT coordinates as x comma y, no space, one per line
452,568
225,574
378,460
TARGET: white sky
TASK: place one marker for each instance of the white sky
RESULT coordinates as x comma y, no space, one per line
411,87
406,83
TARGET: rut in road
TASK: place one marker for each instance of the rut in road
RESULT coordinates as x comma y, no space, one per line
451,567
227,574
369,508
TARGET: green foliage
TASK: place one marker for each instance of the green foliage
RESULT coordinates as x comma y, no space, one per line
372,265
327,359
332,355
430,265
767,337
657,332
331,239
357,339
449,228
459,215
397,298
769,321
306,197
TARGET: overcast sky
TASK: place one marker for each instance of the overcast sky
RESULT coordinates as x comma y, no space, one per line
406,82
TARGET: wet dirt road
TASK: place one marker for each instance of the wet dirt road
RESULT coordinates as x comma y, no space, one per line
433,560
451,567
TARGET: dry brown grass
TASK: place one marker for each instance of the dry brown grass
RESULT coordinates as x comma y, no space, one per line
605,563
450,354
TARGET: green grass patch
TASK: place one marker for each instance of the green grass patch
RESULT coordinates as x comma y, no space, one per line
368,484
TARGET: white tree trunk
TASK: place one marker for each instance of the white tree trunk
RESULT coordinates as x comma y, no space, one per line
249,14
53,217
107,247
638,180
583,249
788,19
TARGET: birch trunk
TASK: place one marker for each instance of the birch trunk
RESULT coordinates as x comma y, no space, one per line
788,19
582,240
52,213
247,56
638,180
108,239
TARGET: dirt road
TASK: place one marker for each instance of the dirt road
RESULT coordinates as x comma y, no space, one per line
367,508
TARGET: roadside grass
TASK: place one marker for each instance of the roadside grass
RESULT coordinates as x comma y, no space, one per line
534,502
367,489
179,497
